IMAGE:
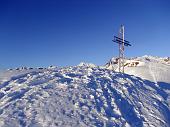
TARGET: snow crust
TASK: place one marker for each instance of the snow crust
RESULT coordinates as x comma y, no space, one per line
87,96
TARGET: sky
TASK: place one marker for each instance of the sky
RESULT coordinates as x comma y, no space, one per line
39,33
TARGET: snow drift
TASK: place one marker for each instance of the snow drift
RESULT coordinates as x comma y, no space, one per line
84,96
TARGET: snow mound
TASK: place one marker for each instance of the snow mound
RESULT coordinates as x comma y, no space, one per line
82,96
86,64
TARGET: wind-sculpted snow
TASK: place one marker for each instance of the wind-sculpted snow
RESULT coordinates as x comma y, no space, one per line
83,96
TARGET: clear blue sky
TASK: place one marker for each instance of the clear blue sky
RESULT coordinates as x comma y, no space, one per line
66,32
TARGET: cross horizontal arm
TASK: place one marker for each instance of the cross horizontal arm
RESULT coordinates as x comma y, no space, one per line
120,41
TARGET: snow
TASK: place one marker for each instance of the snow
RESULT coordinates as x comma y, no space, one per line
152,68
87,95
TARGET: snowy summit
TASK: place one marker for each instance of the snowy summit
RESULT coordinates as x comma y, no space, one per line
87,95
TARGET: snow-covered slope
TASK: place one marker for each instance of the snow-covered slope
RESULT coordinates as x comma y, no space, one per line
82,96
155,69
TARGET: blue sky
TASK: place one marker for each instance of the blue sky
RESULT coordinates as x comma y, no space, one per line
66,32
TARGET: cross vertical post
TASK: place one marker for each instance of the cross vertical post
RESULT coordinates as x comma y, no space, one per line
122,43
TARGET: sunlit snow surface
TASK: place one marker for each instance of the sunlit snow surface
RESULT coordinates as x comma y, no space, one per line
82,96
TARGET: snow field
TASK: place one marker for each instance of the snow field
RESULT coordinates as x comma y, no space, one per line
84,96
